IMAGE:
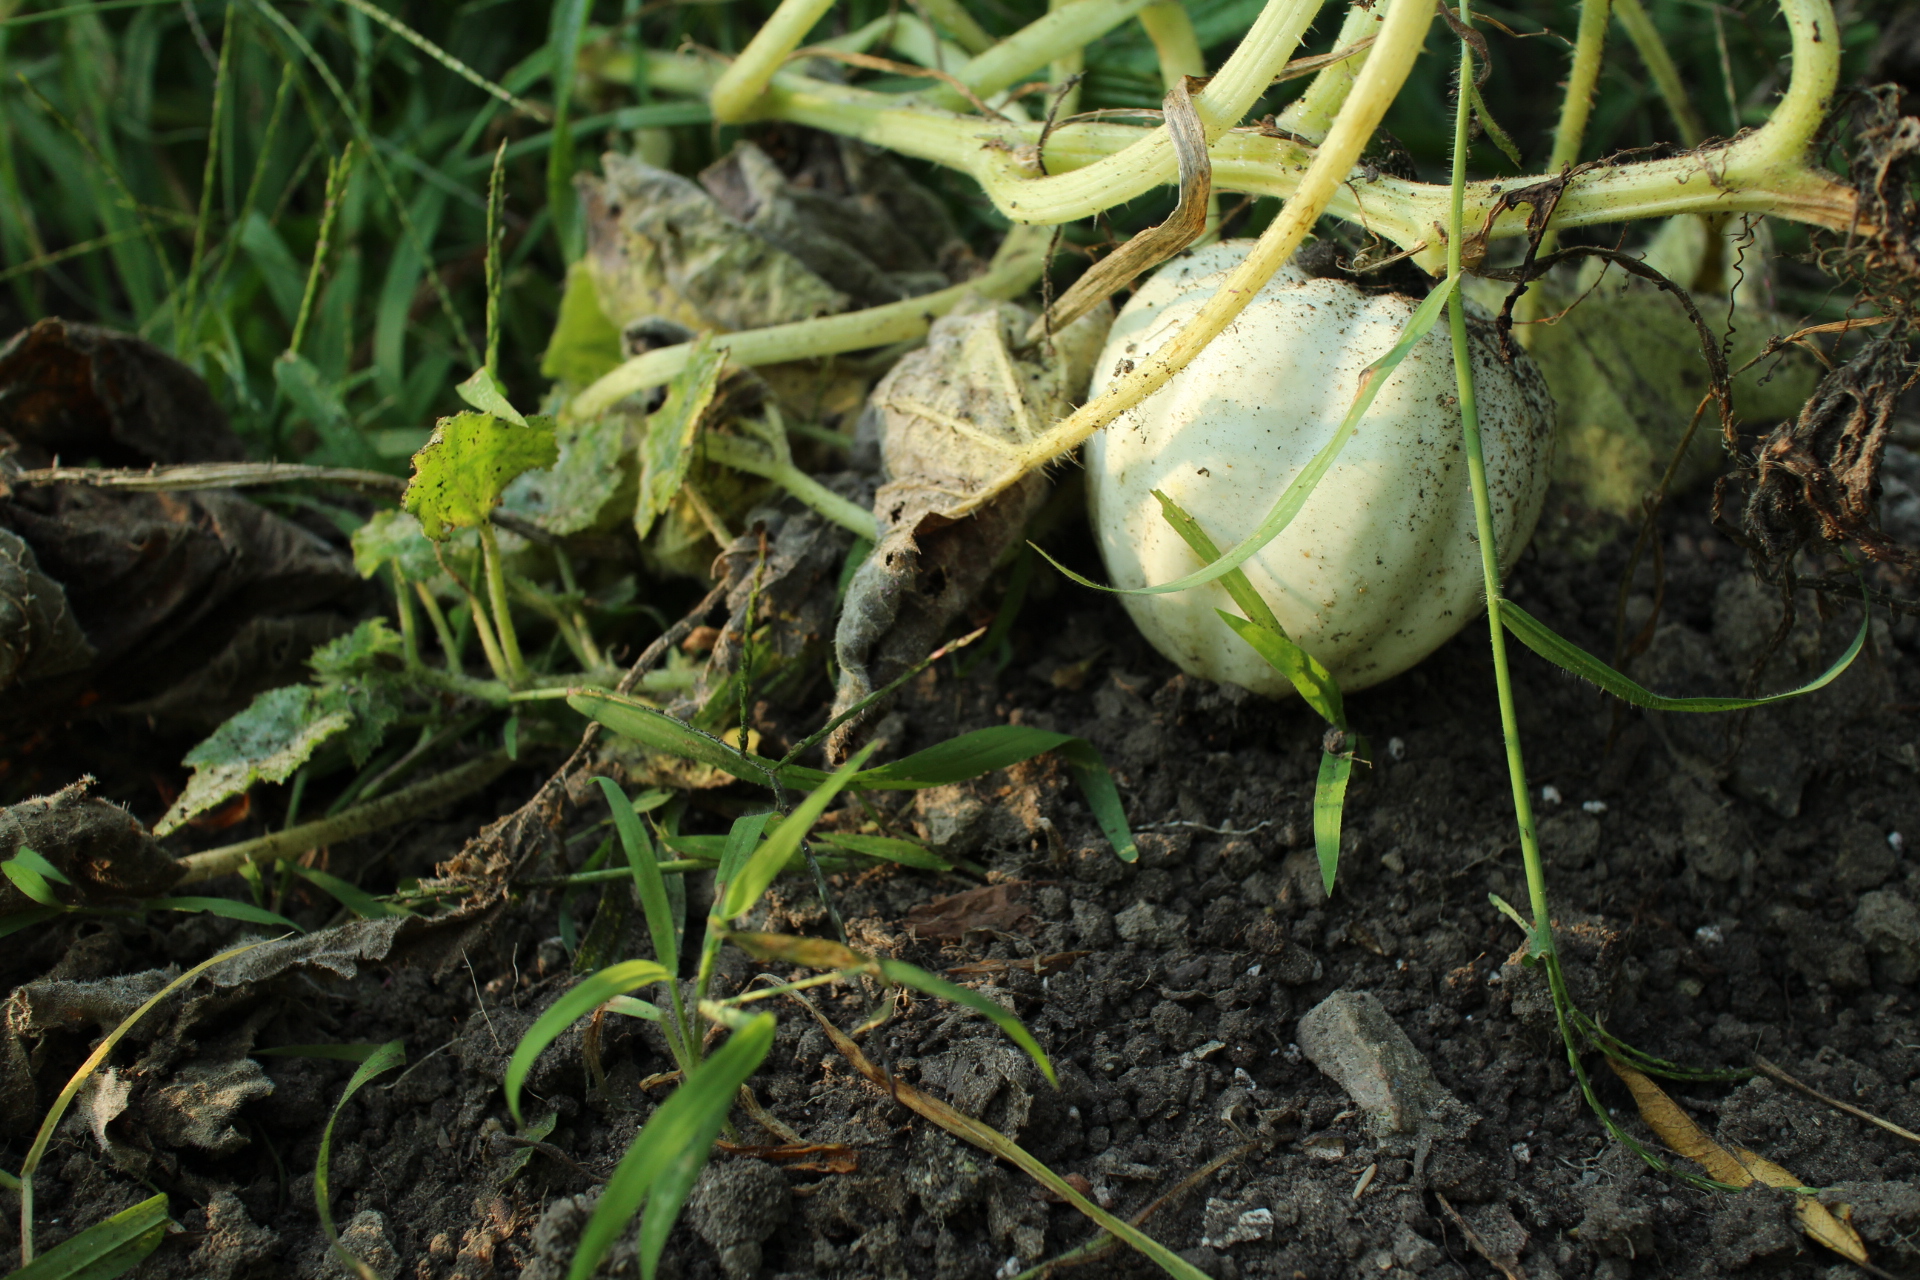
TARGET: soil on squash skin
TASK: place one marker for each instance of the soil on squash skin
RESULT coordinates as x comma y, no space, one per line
1719,897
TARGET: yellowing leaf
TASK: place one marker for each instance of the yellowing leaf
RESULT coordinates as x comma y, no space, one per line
1738,1167
667,450
460,474
485,392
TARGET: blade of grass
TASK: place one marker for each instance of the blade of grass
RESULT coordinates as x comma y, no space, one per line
757,872
447,60
1568,656
202,224
225,908
385,1058
669,1152
593,991
569,22
1329,806
108,1248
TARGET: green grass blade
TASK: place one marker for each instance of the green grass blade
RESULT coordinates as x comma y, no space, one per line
388,1056
13,922
1313,682
647,880
351,896
967,756
106,1249
669,1152
631,718
920,980
446,59
1295,496
757,872
569,23
225,908
616,980
1103,798
887,849
1238,585
29,857
1329,805
1568,656
31,882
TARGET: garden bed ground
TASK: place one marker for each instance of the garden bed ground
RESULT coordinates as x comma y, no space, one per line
1722,900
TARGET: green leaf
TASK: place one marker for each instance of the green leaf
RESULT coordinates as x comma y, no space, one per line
106,1249
277,733
367,650
330,1052
648,884
1495,134
1568,656
1301,487
32,883
394,537
470,460
28,857
226,908
669,1152
14,921
616,980
667,451
1314,682
351,896
633,1008
920,980
887,849
742,838
388,1056
485,392
1329,805
585,344
745,887
534,1132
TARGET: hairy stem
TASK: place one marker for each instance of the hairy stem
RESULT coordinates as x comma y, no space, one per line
502,613
402,805
742,455
1659,63
1312,113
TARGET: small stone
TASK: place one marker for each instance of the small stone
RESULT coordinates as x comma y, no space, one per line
1148,925
1351,1039
1864,860
1890,927
735,1207
1414,1251
1231,1222
1093,923
953,820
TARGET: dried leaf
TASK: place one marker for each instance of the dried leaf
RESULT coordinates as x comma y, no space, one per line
995,908
101,849
950,416
39,637
80,391
1149,248
1039,966
801,1157
1736,1166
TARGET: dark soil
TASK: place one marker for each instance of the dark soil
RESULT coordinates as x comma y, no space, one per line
1728,886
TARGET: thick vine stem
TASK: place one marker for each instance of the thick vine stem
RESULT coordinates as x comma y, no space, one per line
744,456
1763,172
1394,51
1175,41
1066,30
1311,114
953,15
734,92
402,805
1066,71
1018,264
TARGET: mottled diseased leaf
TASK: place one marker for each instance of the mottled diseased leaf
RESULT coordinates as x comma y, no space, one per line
275,735
585,344
358,653
667,450
485,392
592,485
660,247
471,459
395,537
